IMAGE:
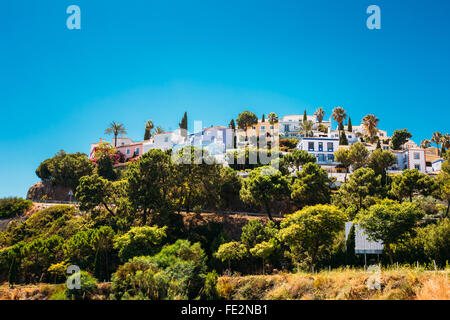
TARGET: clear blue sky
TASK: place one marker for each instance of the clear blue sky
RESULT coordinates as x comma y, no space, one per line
137,60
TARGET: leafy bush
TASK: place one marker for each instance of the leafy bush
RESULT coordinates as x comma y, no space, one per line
13,207
178,271
88,286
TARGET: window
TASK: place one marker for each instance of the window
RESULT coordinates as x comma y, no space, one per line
416,155
271,127
128,151
330,147
310,146
286,127
166,139
263,128
137,151
331,157
321,158
320,146
417,166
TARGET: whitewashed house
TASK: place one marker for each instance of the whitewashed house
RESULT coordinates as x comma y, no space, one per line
163,141
322,148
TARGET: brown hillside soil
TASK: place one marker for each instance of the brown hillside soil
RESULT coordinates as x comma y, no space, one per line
338,285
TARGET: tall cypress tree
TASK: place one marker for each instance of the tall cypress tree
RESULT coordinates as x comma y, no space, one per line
263,118
305,117
184,124
350,127
232,124
343,139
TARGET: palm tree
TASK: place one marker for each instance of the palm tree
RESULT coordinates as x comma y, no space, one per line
116,129
306,128
159,130
320,114
425,144
339,116
149,126
445,140
370,123
273,118
437,138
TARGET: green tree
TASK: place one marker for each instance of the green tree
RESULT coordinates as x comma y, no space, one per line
230,185
149,183
370,123
149,126
296,160
343,157
88,286
306,128
349,126
437,238
246,119
264,185
13,207
380,160
312,186
140,241
255,232
94,191
443,188
411,182
343,141
359,155
339,115
273,118
184,125
116,129
358,190
390,222
264,250
231,251
197,178
399,138
310,231
320,114
305,117
65,169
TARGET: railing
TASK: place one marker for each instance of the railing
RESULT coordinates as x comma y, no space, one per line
54,201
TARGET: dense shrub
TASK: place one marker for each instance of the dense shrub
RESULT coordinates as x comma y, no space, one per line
88,286
178,271
13,207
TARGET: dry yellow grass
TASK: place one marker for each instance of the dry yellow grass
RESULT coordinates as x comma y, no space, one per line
344,284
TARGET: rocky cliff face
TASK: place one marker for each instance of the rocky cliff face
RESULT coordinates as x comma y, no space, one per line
47,191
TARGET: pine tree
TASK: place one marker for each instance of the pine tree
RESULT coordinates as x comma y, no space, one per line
343,139
232,124
350,127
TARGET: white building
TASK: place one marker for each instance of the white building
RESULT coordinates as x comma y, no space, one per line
322,148
220,137
437,165
413,158
351,136
163,141
289,126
